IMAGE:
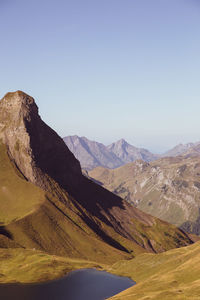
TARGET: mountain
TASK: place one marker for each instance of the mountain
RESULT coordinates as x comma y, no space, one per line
93,154
128,153
167,188
48,205
193,151
182,149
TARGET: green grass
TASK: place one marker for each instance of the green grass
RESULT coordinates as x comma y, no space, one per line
174,214
18,197
171,192
24,266
36,219
174,274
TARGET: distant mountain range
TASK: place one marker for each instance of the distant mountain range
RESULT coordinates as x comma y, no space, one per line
166,186
92,154
180,149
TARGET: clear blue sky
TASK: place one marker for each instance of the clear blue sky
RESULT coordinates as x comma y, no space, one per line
107,69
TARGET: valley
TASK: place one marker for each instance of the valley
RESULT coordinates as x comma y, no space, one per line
54,219
55,208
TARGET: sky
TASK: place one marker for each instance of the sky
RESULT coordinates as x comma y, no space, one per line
107,69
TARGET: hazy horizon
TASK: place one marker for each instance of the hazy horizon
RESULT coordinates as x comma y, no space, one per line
107,69
155,151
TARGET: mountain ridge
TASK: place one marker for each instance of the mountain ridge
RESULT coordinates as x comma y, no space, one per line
92,154
180,149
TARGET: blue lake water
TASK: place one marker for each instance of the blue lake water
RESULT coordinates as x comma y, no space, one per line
85,284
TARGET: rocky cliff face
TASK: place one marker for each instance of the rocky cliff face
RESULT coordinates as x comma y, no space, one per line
72,213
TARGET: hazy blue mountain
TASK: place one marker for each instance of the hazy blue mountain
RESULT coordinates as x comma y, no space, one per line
183,149
92,154
128,153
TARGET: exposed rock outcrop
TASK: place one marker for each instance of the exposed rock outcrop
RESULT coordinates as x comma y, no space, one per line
36,149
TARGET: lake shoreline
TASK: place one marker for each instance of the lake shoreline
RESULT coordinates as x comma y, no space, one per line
91,283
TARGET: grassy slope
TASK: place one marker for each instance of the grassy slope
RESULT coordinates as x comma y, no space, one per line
18,197
167,188
174,274
41,221
171,275
24,266
29,218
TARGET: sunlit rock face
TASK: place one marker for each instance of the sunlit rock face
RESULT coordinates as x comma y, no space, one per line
35,148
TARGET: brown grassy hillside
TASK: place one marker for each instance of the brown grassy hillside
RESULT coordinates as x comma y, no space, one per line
48,205
171,275
168,188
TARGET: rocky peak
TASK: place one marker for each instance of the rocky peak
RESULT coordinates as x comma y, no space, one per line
18,104
34,147
118,146
121,142
15,110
